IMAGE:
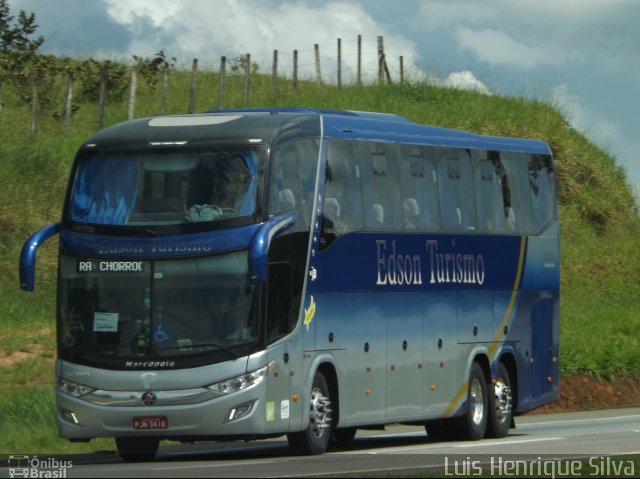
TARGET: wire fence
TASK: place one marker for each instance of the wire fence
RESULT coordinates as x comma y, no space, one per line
352,62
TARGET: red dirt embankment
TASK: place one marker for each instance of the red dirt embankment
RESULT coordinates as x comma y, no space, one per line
584,392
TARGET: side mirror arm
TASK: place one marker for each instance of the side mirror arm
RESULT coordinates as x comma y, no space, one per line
259,247
28,255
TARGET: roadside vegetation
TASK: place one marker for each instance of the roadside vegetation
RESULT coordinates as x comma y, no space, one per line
600,323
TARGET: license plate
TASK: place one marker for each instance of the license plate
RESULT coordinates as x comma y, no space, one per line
150,422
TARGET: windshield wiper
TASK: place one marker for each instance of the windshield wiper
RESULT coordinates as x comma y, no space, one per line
103,351
202,345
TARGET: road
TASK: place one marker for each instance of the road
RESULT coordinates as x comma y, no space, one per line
543,438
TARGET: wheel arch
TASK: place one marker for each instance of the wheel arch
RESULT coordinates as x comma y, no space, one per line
324,364
483,360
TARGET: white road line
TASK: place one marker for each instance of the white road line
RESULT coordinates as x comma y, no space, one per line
584,420
503,443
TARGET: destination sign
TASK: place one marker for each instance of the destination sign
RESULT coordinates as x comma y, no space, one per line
94,266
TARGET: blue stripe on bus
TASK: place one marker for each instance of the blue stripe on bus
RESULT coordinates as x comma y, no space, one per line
427,262
176,246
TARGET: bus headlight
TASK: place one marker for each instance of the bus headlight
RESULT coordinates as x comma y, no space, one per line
73,389
239,383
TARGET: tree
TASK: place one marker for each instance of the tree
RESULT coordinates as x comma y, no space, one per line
17,49
149,68
20,62
115,75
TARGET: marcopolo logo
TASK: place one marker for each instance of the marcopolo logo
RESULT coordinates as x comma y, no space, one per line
149,364
26,466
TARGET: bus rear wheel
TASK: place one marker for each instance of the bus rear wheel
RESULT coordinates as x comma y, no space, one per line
137,448
500,404
315,438
473,424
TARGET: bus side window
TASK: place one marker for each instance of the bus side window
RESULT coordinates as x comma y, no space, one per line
457,198
342,206
419,187
292,180
542,187
382,187
518,211
489,192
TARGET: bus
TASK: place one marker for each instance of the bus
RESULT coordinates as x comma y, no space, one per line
253,273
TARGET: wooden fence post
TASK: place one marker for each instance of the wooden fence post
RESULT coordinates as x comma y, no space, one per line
380,60
401,70
247,76
132,92
165,86
102,97
386,69
318,74
34,106
67,103
295,70
339,63
359,74
223,64
274,76
192,89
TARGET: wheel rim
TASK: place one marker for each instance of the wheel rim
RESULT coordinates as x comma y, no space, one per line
476,403
319,412
503,400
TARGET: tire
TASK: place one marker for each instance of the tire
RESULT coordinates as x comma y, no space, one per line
343,437
500,404
440,430
473,424
315,439
137,448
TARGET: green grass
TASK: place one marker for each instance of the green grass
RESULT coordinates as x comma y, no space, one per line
27,422
600,323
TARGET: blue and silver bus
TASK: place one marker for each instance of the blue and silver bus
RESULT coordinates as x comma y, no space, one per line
254,273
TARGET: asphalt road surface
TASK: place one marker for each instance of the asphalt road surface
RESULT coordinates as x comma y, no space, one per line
604,440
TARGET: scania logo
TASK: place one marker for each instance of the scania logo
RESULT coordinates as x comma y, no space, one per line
149,398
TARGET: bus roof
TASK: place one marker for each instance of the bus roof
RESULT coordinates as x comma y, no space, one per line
361,125
272,124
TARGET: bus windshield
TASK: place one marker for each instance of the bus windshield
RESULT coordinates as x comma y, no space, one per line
131,311
149,189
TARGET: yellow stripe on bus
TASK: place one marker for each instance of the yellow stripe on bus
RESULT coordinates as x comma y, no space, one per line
505,320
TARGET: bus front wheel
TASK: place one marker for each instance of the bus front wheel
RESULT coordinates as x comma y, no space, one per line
344,436
137,448
315,438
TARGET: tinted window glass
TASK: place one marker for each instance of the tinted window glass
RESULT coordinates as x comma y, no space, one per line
293,173
490,191
157,188
381,195
419,187
543,190
518,206
457,198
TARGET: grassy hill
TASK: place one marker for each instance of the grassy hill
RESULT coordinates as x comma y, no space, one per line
600,305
